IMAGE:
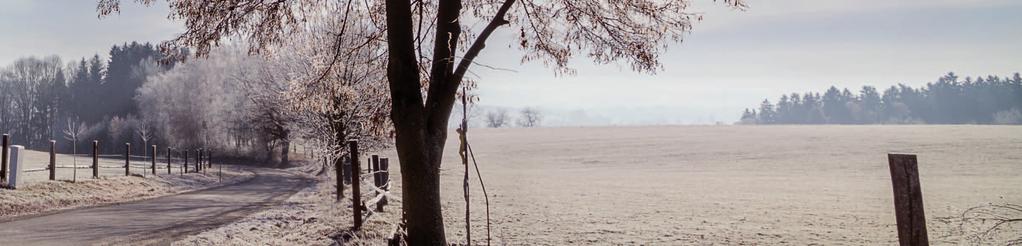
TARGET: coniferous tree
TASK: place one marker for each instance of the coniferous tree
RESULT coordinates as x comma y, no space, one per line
783,110
748,117
948,100
767,114
870,105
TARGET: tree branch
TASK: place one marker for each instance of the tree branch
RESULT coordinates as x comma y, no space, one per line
480,42
442,99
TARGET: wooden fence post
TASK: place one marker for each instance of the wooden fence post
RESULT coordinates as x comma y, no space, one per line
356,195
127,159
168,161
202,160
374,169
197,159
185,166
53,160
153,159
908,200
384,179
95,159
197,153
3,157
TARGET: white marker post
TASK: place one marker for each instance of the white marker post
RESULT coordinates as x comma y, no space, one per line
17,159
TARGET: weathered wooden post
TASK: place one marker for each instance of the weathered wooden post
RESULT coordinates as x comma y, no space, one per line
198,161
185,166
127,159
908,200
384,179
202,160
153,159
356,195
95,159
338,171
375,169
53,160
3,157
168,161
197,167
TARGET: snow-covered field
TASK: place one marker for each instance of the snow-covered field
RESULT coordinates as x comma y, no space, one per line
759,185
37,194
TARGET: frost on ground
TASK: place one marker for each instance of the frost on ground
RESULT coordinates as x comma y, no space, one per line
681,185
46,196
310,217
727,185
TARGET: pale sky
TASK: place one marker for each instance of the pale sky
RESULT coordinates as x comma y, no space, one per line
730,61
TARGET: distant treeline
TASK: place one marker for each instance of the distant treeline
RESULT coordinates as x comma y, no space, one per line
949,100
43,98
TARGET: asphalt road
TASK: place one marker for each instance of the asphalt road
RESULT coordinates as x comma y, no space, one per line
157,221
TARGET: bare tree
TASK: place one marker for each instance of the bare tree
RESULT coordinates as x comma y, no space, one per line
30,96
529,117
423,80
497,118
145,133
339,94
272,115
116,128
73,132
200,99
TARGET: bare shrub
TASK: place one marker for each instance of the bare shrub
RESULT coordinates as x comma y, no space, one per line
497,118
530,117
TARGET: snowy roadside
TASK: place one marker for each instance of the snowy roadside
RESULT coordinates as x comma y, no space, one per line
309,217
48,196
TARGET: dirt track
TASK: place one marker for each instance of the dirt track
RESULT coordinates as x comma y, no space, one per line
155,221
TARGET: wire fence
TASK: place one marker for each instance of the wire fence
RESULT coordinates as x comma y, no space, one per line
375,179
40,166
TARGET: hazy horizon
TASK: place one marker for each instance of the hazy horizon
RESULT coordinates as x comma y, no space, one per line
798,46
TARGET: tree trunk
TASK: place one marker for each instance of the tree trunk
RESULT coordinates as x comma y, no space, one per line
420,158
285,148
421,192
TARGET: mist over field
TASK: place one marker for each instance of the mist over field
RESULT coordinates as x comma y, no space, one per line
510,122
